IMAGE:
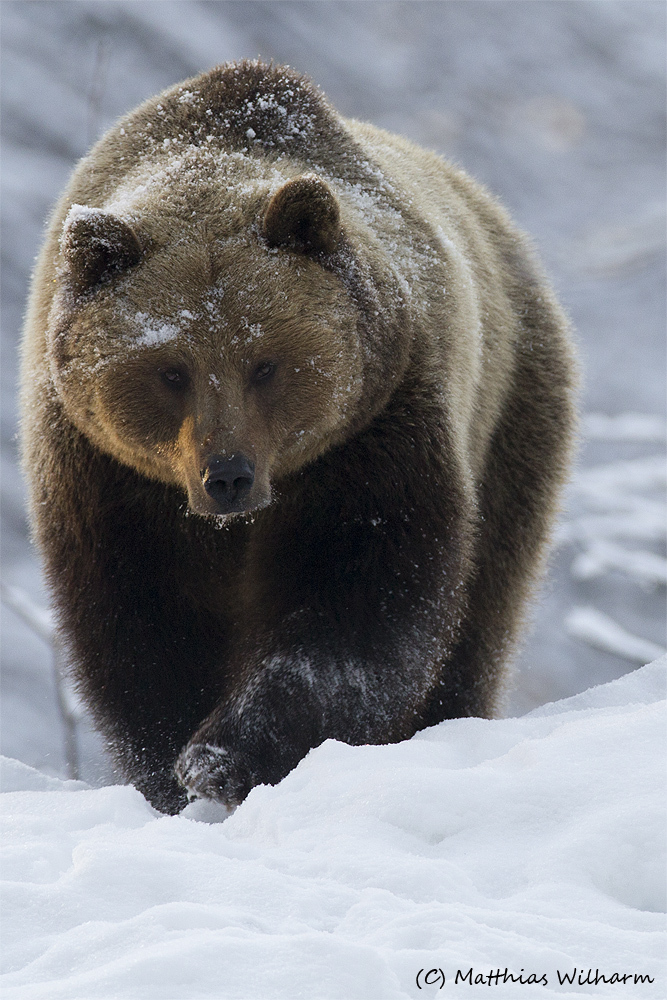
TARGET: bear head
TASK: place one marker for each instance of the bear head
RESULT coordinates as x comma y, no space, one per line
202,336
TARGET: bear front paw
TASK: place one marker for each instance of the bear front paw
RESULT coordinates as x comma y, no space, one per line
207,771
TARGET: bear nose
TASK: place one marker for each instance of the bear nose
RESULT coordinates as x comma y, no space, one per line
228,480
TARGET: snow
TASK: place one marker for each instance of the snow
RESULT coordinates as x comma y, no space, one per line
78,213
154,332
530,844
600,630
600,556
624,427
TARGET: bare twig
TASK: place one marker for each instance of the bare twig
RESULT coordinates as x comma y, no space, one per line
97,88
40,621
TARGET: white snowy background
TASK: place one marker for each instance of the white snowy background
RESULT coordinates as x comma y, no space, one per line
529,842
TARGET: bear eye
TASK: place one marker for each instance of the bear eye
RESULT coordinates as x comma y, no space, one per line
264,371
175,378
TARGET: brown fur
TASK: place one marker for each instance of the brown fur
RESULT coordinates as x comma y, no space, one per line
254,279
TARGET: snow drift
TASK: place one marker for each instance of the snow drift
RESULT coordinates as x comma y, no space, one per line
530,848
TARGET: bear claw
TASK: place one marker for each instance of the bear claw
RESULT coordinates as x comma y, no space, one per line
207,771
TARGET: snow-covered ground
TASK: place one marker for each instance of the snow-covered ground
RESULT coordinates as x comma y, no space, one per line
532,847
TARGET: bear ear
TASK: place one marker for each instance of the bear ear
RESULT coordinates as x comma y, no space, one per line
303,213
94,245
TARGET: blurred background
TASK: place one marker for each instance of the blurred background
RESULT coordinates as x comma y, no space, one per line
558,107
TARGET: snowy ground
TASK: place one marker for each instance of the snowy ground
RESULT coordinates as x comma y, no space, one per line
529,847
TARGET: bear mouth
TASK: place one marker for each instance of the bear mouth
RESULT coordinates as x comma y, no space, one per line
210,507
221,518
225,505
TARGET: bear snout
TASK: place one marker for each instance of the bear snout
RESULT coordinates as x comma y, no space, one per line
228,481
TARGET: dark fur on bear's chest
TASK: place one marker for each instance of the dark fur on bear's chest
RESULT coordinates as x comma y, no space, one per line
238,278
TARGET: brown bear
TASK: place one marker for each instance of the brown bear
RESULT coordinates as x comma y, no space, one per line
297,408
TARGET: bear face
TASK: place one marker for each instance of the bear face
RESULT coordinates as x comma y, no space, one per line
215,361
